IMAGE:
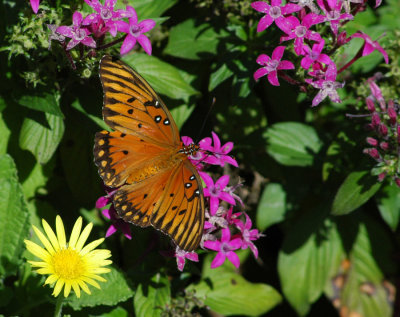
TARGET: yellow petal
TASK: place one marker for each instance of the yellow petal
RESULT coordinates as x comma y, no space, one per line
44,240
51,235
44,271
67,289
96,277
100,270
61,233
90,281
58,287
85,288
83,237
91,246
37,250
38,264
75,233
75,287
51,279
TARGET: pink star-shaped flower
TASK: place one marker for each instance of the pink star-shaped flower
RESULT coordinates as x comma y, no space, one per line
274,12
370,45
314,55
134,31
197,158
76,32
117,223
104,18
333,13
272,65
300,31
216,191
248,234
182,255
225,248
217,154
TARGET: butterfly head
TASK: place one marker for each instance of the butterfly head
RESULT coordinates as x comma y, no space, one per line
191,149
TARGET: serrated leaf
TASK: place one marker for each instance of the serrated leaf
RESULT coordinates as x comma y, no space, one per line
356,190
40,134
364,292
309,258
228,293
151,298
112,292
193,41
272,206
14,217
389,205
46,103
292,143
163,77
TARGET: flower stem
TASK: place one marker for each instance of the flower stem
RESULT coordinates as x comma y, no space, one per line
111,43
59,304
355,58
292,81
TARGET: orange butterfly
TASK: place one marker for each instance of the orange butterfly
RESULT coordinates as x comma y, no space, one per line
145,159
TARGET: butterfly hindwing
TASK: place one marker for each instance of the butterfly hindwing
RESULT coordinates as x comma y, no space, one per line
132,107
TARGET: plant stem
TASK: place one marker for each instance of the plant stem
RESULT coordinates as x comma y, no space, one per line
111,43
355,58
59,304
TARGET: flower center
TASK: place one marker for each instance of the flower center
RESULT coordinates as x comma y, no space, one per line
68,264
313,55
80,34
328,85
300,31
275,12
333,15
105,14
214,191
272,65
135,30
225,247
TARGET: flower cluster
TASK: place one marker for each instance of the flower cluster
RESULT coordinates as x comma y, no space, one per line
224,231
90,31
298,22
384,147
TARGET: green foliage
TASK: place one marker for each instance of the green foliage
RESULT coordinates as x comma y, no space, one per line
300,167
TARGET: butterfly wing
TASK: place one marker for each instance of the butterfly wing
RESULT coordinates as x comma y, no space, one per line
131,106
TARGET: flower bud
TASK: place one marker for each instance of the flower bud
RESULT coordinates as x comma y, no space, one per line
370,104
381,177
384,146
373,152
383,130
372,141
376,119
397,181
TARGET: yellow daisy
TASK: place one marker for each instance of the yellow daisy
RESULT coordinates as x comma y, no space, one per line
69,265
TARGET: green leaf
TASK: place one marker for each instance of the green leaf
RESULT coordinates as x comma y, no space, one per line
219,76
41,134
356,190
14,218
365,291
292,143
228,293
163,77
147,9
37,179
193,41
309,258
181,114
77,105
388,204
5,135
112,292
151,298
45,103
272,206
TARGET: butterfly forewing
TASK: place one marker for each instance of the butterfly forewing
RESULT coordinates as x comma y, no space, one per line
131,106
156,184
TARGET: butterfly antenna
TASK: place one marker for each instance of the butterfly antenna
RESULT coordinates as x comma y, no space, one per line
205,120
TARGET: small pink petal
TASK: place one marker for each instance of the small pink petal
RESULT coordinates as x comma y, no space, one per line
147,25
212,245
285,65
145,43
233,257
264,23
77,18
260,6
218,260
35,5
273,78
260,73
111,230
278,53
222,181
128,44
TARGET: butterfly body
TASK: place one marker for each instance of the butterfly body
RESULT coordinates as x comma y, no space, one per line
144,159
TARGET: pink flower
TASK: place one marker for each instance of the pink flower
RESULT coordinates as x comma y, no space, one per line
217,154
35,5
104,19
248,235
314,55
182,255
225,249
307,3
134,31
333,13
216,191
300,31
370,45
272,65
117,223
76,33
327,86
197,158
274,12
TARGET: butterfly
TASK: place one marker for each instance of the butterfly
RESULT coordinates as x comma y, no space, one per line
144,159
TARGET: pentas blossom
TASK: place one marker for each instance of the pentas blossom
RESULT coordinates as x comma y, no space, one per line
327,86
274,12
225,247
248,234
134,31
196,158
333,13
272,65
300,31
310,4
370,45
105,17
182,255
77,33
314,55
217,153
